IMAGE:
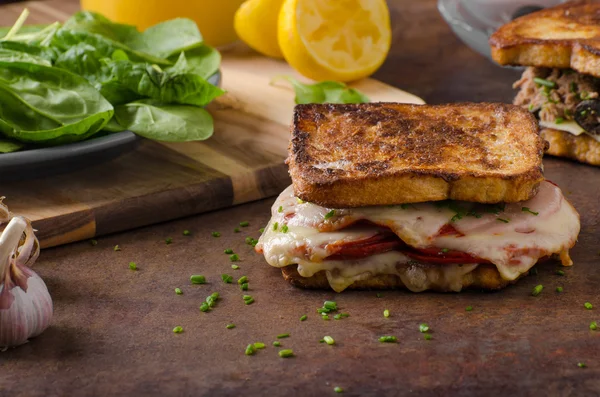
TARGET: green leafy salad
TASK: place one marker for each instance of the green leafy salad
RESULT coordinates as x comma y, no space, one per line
64,83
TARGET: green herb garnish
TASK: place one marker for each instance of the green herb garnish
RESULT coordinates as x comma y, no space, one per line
117,248
216,234
423,327
593,326
581,365
469,308
234,257
339,316
242,280
544,82
276,343
303,318
198,279
281,336
235,267
168,240
228,251
204,307
338,389
230,326
244,287
525,209
244,224
248,300
133,266
178,291
537,290
560,272
280,209
386,313
259,345
588,305
284,229
559,289
286,353
187,233
227,278
178,330
427,336
502,220
388,339
275,226
250,350
93,242
330,214
559,120
329,340
236,230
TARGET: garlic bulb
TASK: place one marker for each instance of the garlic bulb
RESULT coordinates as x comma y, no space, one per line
25,303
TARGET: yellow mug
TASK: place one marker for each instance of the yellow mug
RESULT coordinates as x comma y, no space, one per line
214,18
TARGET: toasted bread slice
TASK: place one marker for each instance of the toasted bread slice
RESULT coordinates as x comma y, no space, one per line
581,148
389,153
565,36
483,277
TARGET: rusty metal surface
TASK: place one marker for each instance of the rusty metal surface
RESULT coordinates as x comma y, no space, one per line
112,331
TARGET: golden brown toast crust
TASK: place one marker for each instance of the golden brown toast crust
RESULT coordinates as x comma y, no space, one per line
565,36
581,148
388,153
483,277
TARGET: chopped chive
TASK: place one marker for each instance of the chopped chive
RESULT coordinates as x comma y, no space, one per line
94,242
198,279
300,201
322,341
204,307
325,317
261,230
388,339
242,280
330,305
340,316
236,230
216,234
275,226
338,389
544,82
250,350
227,279
303,318
559,289
559,120
423,327
469,308
133,266
249,240
230,326
276,343
531,107
330,214
560,272
228,251
537,290
427,336
244,287
187,233
178,330
234,257
444,250
281,336
178,291
329,340
285,353
379,295
581,365
503,220
259,345
386,313
246,297
525,209
588,305
280,209
244,224
235,267
593,326
117,248
284,229
249,301
168,240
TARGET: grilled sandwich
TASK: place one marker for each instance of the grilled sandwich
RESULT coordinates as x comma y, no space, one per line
560,47
422,197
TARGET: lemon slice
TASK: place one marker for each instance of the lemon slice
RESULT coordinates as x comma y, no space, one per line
341,40
255,22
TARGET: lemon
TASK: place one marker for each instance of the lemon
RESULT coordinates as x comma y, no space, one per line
255,23
341,40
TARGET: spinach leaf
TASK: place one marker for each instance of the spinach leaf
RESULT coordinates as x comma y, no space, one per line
203,61
325,92
48,105
171,123
159,41
46,53
17,56
7,146
167,87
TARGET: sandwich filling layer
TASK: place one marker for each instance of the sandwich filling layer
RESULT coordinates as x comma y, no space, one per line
562,99
421,243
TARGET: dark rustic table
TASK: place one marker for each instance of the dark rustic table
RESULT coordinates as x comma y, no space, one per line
112,330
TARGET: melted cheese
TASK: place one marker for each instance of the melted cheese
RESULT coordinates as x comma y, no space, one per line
514,247
569,126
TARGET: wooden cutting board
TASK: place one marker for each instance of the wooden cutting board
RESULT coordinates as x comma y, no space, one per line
157,182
